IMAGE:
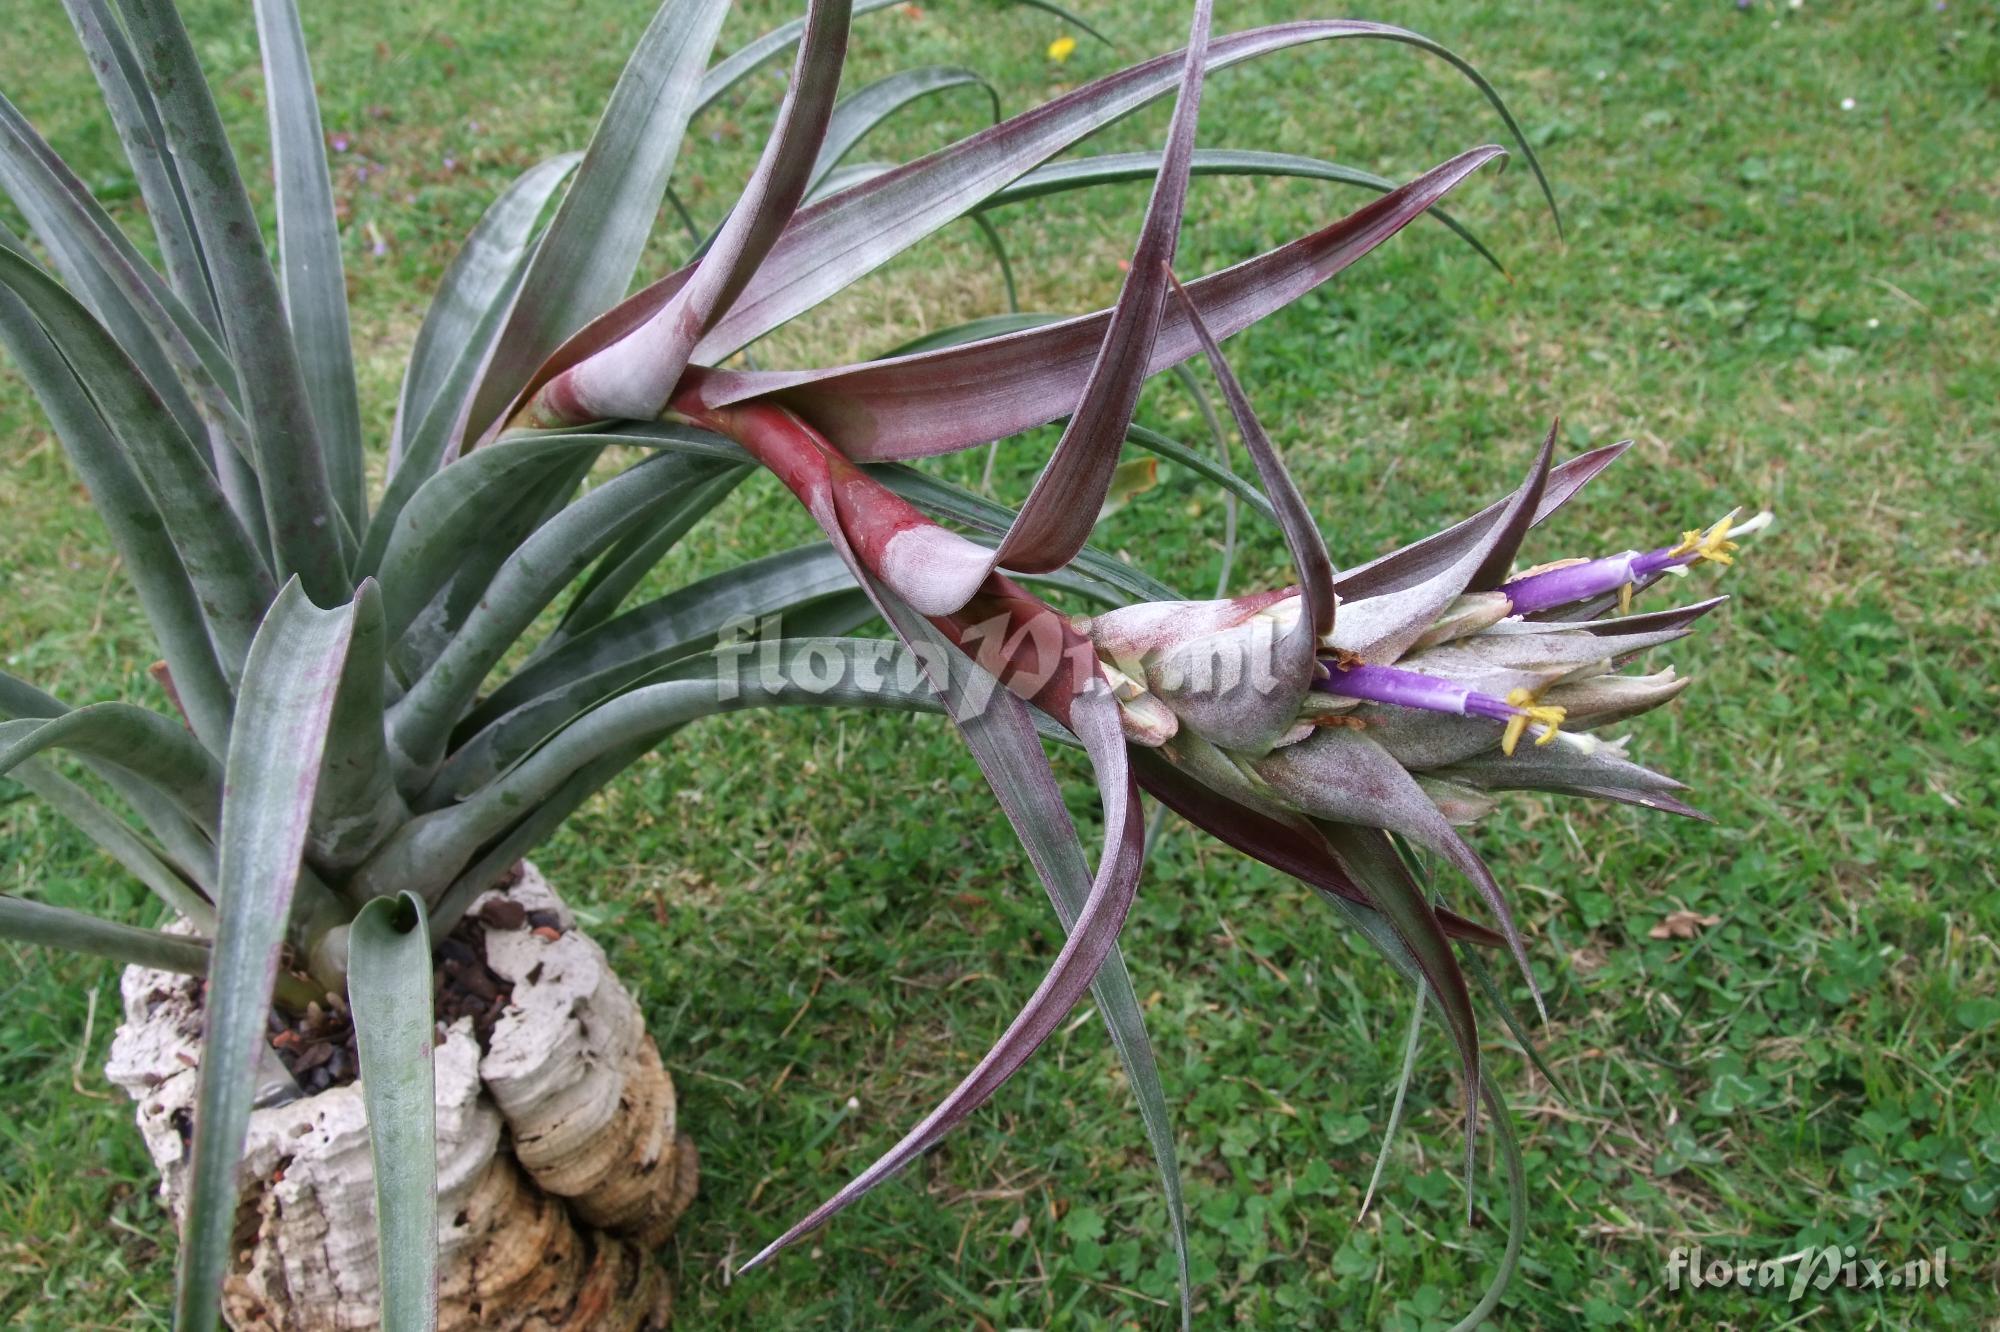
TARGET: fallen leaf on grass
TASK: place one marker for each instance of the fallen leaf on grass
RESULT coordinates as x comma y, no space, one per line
1682,925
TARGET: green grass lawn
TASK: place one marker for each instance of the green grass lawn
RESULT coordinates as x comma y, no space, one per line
1779,279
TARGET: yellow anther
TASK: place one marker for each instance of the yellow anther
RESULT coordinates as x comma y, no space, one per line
1625,599
1530,713
1712,544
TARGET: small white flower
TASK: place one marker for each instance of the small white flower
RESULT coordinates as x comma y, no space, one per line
1847,103
1874,323
1798,4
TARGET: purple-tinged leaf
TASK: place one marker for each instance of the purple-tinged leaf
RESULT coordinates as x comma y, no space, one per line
1677,618
873,531
1078,173
1382,624
845,237
1369,858
634,377
842,238
1004,741
1417,561
939,402
1269,716
1094,719
1059,512
1342,776
1289,845
591,249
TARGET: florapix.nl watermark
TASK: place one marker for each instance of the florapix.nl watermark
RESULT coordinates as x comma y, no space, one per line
1806,1271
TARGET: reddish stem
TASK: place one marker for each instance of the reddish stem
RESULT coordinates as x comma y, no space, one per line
1023,641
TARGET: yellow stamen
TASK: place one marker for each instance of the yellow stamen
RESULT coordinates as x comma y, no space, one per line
1712,544
1531,713
1625,599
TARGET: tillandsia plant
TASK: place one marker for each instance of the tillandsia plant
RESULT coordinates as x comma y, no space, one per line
382,710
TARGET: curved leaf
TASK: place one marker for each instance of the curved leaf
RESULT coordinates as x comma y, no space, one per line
973,330
464,317
684,616
222,566
428,853
308,533
1078,173
1396,1107
275,752
940,401
819,255
463,575
858,114
175,352
1067,16
1408,565
1010,757
847,235
143,743
1403,915
137,119
626,564
309,268
809,588
1401,601
530,578
116,840
634,377
59,927
168,597
752,55
1002,740
1056,518
942,498
591,249
1237,487
1302,539
1378,933
454,506
389,984
357,803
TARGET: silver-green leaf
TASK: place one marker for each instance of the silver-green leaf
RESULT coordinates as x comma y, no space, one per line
389,985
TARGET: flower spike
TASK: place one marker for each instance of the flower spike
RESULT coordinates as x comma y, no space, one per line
1569,582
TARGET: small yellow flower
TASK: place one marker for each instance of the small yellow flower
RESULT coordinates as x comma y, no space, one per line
1061,47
